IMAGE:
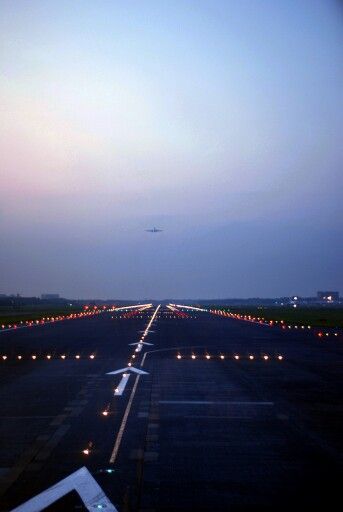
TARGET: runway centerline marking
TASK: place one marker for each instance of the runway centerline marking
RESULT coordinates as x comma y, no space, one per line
125,417
132,395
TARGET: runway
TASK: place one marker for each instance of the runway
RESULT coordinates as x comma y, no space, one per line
213,413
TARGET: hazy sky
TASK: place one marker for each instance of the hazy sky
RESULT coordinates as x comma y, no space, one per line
219,121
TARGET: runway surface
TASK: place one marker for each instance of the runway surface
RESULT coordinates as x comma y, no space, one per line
230,415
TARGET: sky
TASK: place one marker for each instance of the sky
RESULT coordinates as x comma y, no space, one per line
218,121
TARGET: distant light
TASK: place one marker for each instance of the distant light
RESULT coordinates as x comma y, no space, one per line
19,357
92,356
34,356
48,356
208,356
251,357
294,305
77,356
280,358
222,356
179,356
193,356
266,357
86,451
63,356
236,357
4,358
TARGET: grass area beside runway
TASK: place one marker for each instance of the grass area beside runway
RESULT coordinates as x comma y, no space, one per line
9,316
316,317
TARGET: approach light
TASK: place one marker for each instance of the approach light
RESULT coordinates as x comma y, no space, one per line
88,450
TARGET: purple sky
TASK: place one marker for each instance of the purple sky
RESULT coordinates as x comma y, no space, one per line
219,121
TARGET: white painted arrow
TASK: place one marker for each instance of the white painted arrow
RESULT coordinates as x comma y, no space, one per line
128,369
82,482
140,343
122,385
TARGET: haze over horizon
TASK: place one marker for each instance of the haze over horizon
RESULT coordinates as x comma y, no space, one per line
219,122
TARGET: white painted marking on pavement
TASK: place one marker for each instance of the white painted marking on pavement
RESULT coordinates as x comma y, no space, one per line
128,407
122,384
128,369
141,343
82,482
124,420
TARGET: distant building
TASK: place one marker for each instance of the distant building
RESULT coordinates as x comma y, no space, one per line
328,296
50,296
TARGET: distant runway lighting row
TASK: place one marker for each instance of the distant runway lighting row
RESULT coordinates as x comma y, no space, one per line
52,319
236,357
141,306
35,357
188,307
269,323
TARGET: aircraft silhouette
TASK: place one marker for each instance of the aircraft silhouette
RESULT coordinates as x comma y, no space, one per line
154,230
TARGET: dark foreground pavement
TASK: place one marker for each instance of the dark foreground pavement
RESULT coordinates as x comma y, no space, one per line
205,434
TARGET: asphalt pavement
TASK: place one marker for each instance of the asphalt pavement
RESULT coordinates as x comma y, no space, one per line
231,415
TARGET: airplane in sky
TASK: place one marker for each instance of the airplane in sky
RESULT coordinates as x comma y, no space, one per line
154,230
